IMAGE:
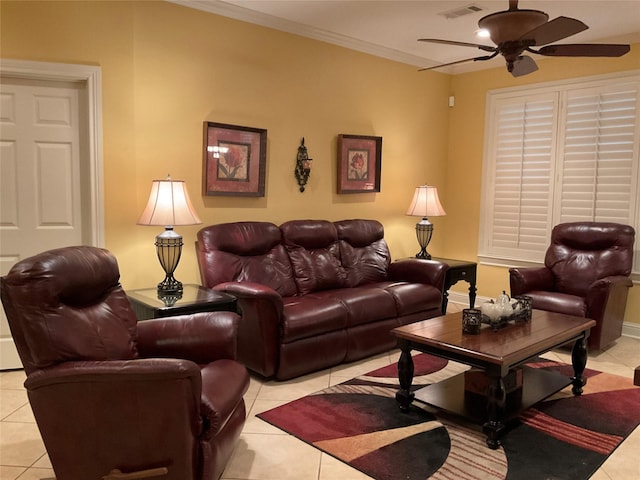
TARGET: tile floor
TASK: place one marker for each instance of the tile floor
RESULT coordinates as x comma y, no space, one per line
266,453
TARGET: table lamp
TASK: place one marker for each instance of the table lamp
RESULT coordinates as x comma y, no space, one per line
425,204
169,205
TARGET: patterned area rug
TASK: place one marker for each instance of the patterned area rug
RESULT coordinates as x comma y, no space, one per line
564,437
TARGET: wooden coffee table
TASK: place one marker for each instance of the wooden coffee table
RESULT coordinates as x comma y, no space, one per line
496,353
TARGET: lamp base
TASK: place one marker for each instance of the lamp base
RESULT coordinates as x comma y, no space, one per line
424,230
169,286
169,249
423,254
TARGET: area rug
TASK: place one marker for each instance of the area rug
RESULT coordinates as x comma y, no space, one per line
564,437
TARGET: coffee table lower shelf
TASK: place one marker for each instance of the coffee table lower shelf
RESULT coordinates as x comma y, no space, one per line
450,396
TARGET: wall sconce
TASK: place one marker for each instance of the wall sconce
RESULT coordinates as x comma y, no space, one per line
303,166
169,205
425,203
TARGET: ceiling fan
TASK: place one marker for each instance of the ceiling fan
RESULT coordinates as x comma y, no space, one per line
516,31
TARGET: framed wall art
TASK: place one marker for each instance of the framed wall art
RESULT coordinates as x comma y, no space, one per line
359,163
234,160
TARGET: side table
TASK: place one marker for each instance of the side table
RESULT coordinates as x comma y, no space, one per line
147,304
458,270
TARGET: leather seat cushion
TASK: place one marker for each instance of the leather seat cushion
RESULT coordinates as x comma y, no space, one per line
414,297
364,304
307,316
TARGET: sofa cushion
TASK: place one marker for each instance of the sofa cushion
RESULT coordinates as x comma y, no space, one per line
314,254
308,316
363,251
413,297
245,251
364,304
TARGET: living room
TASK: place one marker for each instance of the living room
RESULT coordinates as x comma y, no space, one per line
166,69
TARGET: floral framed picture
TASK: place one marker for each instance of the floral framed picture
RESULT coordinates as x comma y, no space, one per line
234,160
359,163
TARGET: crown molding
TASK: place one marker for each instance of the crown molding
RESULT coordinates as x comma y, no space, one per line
257,18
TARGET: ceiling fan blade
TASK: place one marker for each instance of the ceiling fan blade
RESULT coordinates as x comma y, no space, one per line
584,50
486,48
523,65
553,30
455,63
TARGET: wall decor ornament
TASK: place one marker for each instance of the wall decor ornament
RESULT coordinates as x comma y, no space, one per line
359,163
303,166
235,160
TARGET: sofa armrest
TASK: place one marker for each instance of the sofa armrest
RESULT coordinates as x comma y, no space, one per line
523,280
419,271
261,309
200,337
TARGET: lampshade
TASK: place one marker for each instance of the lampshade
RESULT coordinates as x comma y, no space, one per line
426,203
169,204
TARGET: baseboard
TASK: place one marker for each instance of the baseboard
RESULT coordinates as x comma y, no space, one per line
631,329
9,359
628,329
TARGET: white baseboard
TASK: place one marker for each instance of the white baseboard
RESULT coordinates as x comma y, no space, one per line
9,359
628,329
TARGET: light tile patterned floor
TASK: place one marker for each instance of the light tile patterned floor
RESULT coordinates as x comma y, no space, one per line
266,453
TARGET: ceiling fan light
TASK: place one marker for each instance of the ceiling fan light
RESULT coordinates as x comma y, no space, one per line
482,33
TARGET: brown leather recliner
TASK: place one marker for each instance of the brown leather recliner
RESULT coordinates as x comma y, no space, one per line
157,399
586,273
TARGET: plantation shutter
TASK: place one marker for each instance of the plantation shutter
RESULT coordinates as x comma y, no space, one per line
561,152
523,145
598,180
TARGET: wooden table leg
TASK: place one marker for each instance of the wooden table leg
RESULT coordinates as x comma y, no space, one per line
496,401
404,396
579,362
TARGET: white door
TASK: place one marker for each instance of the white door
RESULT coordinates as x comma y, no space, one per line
44,195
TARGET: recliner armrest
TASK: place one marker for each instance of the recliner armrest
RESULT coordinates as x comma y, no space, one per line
418,271
224,384
523,280
115,371
201,337
608,282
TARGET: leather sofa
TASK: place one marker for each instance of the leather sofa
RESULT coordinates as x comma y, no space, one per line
586,273
114,398
313,293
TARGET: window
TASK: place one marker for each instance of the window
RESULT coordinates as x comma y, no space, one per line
557,153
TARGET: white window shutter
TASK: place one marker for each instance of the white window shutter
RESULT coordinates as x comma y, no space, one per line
598,180
555,153
517,206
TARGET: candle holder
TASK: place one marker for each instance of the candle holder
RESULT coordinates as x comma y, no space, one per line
303,166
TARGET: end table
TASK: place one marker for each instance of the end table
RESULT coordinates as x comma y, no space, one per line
194,298
458,270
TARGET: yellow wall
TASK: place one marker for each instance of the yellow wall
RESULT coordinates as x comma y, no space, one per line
166,69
